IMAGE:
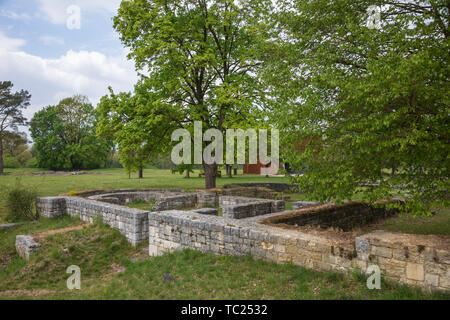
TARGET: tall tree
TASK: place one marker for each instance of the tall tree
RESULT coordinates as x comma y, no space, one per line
65,136
202,58
373,90
138,125
11,111
14,143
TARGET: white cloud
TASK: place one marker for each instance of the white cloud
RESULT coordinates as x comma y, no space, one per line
10,44
51,40
55,11
14,15
76,72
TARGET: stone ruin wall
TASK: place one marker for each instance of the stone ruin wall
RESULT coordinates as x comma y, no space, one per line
345,217
418,260
133,223
423,261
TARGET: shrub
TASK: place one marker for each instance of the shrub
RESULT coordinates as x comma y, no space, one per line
20,202
31,163
10,162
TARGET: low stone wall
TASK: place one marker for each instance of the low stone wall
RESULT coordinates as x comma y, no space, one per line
251,192
276,186
419,260
242,207
10,225
304,204
345,217
187,200
50,207
132,223
426,264
209,211
124,198
26,246
89,193
207,199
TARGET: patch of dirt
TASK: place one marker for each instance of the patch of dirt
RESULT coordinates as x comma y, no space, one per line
31,293
117,268
66,173
42,235
142,255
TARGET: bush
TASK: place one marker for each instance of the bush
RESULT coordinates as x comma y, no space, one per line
20,202
31,163
10,162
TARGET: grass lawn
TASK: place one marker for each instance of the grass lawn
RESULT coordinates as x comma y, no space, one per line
112,269
438,223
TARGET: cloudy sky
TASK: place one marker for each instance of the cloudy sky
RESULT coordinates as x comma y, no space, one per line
43,51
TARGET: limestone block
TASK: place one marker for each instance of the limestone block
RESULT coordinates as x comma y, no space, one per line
414,271
432,280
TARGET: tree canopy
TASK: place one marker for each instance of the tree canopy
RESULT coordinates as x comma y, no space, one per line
199,59
139,127
12,106
65,136
369,105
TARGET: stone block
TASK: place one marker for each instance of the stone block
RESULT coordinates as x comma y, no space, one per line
414,271
26,246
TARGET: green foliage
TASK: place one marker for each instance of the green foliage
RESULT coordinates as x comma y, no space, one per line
365,106
10,162
14,143
23,157
188,168
20,202
113,161
11,112
31,163
15,149
65,138
203,60
140,131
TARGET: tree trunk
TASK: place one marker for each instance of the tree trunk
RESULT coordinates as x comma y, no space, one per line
187,174
210,175
1,155
229,171
141,173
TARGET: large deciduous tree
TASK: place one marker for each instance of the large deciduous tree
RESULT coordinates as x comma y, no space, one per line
15,145
65,136
202,58
366,100
11,111
138,125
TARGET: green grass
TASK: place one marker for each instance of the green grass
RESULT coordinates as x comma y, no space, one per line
8,236
143,205
439,223
112,269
